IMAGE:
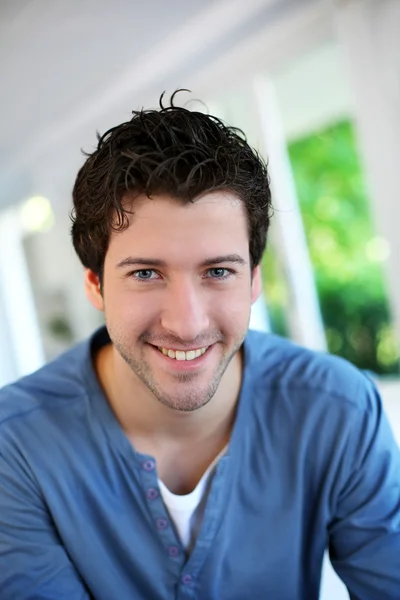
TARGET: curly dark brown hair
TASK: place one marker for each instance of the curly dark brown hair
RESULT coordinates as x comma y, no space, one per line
174,151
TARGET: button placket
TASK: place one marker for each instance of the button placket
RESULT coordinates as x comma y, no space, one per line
173,551
186,579
149,465
159,515
162,523
152,493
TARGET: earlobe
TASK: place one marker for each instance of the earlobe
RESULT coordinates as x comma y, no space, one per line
256,284
92,289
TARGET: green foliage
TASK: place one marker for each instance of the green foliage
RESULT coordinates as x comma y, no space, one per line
346,254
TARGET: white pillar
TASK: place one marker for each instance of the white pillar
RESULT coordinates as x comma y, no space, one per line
304,319
370,33
23,353
8,368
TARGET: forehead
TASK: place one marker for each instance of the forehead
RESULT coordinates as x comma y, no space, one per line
215,221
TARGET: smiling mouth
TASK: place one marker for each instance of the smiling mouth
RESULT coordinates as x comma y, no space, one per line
181,355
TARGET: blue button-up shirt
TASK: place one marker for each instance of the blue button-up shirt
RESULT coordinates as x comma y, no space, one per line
311,464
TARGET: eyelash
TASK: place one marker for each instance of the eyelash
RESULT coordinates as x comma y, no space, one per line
229,273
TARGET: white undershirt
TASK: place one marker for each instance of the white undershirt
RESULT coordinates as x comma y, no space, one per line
187,511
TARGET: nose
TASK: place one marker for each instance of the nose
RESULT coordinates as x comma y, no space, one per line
185,313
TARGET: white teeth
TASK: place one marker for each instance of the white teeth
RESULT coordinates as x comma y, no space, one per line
181,355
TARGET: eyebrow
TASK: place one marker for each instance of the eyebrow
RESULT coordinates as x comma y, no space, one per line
155,262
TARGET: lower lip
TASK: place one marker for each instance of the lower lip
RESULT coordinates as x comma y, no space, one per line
183,365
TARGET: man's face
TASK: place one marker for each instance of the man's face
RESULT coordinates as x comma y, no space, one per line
177,293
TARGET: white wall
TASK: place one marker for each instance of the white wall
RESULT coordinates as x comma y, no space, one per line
313,91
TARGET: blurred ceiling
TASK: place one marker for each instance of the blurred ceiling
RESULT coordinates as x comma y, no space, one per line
69,67
57,53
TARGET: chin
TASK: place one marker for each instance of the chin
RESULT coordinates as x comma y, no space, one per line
189,401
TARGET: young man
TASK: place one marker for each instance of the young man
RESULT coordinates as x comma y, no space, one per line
175,454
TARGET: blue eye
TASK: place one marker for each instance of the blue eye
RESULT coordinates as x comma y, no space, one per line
144,274
219,273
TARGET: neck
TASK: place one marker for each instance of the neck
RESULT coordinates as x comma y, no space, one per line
142,416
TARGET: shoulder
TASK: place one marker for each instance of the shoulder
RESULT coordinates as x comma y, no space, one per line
314,405
54,387
304,375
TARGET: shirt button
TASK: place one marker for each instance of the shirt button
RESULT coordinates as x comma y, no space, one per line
149,465
152,494
187,579
162,524
173,551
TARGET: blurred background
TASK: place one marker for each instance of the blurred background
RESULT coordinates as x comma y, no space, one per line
315,85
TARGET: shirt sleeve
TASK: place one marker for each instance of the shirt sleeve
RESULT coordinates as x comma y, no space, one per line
364,536
33,563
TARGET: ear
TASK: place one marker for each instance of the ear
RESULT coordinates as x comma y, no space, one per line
92,289
256,284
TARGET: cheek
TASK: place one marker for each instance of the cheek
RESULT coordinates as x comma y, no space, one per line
132,312
232,314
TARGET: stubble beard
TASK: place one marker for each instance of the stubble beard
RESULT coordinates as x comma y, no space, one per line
189,399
